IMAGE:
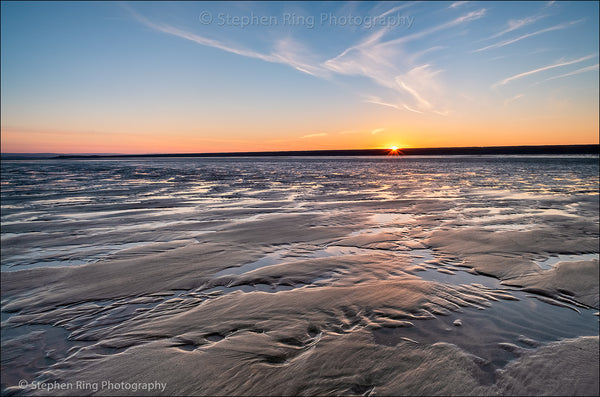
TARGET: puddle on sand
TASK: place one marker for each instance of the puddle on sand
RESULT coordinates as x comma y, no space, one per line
250,288
32,348
524,323
273,258
28,349
286,255
548,263
512,227
460,277
448,273
66,256
385,219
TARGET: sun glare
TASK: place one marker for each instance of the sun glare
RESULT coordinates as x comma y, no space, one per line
394,151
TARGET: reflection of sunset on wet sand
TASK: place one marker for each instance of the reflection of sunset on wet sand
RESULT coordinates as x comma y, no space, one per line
388,275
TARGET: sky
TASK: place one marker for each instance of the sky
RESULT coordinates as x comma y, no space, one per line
187,77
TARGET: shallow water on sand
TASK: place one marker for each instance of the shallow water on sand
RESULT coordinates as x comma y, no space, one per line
299,275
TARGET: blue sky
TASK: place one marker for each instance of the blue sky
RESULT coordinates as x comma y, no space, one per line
212,76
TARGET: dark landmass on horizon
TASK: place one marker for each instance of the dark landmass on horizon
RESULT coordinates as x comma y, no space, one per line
444,151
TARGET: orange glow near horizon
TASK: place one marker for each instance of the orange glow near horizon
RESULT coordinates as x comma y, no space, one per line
377,128
360,128
53,141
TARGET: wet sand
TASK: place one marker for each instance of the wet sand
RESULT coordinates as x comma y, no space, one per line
396,276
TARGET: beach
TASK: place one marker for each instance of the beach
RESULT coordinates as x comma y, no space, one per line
387,275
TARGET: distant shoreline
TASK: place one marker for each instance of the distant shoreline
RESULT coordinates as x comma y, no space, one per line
444,151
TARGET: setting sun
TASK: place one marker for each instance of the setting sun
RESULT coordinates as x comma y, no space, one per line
394,151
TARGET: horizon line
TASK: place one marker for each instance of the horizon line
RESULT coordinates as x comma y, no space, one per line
464,150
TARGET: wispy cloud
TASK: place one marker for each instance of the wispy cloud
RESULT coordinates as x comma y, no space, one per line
415,94
515,24
196,38
458,4
398,8
512,99
387,64
379,101
573,73
471,16
288,52
372,132
556,65
348,132
525,36
383,62
292,53
418,75
314,135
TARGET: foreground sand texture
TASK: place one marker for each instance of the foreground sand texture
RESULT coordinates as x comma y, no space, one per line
351,276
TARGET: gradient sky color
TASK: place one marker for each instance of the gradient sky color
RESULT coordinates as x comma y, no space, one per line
165,77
